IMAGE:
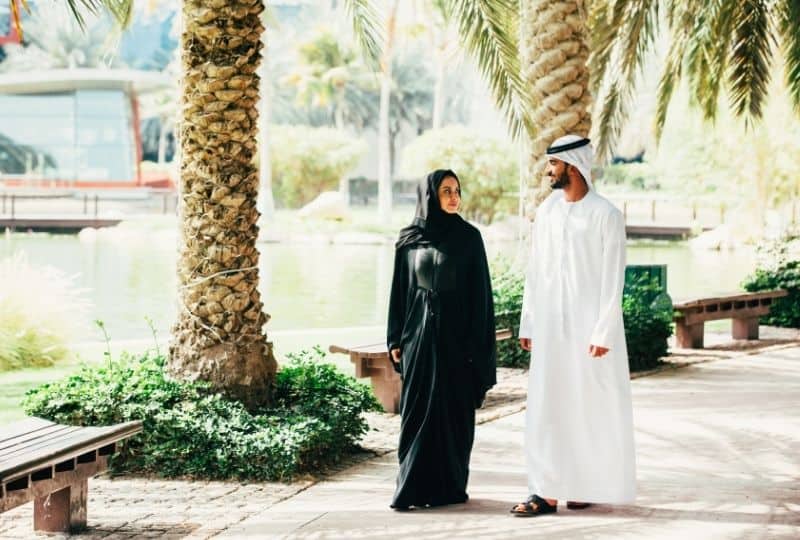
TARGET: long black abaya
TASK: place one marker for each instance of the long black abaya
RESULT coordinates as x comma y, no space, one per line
441,317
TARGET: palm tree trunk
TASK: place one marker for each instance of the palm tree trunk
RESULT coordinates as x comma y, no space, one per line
438,91
554,54
218,336
162,139
384,151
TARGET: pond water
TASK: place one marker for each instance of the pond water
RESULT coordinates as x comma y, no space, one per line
129,275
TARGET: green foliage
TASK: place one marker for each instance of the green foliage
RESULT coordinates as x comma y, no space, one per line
191,431
633,176
307,161
647,324
508,286
784,311
41,309
487,168
712,46
780,269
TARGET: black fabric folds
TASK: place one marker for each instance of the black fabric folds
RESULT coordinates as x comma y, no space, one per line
441,317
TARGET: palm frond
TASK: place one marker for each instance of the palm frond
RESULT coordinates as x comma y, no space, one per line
487,30
683,21
120,10
750,59
366,29
790,36
635,39
605,20
707,52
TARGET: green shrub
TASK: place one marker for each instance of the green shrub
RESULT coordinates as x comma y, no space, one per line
191,431
307,161
41,310
647,325
508,286
784,311
487,168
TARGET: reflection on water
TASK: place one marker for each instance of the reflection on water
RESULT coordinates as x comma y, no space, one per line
130,275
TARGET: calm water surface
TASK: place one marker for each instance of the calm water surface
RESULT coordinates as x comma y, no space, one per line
129,275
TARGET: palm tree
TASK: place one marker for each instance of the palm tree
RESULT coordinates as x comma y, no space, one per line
554,53
218,336
713,45
219,333
384,137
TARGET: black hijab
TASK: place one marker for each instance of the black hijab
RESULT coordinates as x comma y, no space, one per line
431,224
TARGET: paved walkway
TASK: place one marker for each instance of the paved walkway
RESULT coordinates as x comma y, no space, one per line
718,446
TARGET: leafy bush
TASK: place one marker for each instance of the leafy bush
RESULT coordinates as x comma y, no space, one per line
508,286
487,168
784,311
41,309
191,431
647,325
307,161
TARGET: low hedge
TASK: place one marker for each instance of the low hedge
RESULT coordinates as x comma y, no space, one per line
191,431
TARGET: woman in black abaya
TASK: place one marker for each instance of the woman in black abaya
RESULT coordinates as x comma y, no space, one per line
441,337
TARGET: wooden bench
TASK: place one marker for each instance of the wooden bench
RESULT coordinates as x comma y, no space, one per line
373,361
743,308
51,464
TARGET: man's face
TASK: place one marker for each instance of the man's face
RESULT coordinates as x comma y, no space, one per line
557,173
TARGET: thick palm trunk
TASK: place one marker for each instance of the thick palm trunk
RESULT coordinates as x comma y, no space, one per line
554,53
218,336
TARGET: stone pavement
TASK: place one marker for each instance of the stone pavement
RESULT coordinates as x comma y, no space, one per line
718,446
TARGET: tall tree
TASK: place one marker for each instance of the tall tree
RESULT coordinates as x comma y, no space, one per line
219,335
554,54
384,140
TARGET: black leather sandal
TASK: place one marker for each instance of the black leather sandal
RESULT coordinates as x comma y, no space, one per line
534,506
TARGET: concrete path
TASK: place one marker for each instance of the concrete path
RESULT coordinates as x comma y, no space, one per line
718,449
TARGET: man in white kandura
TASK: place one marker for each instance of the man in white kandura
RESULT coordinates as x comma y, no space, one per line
579,425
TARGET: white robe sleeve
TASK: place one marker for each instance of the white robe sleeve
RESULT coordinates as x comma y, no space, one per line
612,280
526,317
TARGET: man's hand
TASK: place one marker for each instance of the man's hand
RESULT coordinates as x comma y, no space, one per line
596,351
526,344
395,356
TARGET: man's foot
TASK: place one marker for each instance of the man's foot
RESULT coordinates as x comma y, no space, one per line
534,506
574,505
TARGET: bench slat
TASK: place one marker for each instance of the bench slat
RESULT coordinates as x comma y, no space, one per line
35,442
73,445
11,431
28,438
695,302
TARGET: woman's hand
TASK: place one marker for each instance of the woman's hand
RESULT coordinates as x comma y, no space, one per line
526,344
395,355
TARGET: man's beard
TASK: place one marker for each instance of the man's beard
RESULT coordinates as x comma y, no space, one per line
560,182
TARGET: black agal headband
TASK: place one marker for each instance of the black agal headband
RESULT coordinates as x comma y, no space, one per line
567,146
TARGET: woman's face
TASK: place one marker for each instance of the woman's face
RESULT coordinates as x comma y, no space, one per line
449,195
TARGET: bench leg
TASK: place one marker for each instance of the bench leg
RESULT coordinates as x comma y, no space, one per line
689,336
387,390
63,510
745,328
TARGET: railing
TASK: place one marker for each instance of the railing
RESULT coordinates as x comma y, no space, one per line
153,201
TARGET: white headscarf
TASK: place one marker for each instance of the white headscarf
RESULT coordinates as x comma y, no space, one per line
580,157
